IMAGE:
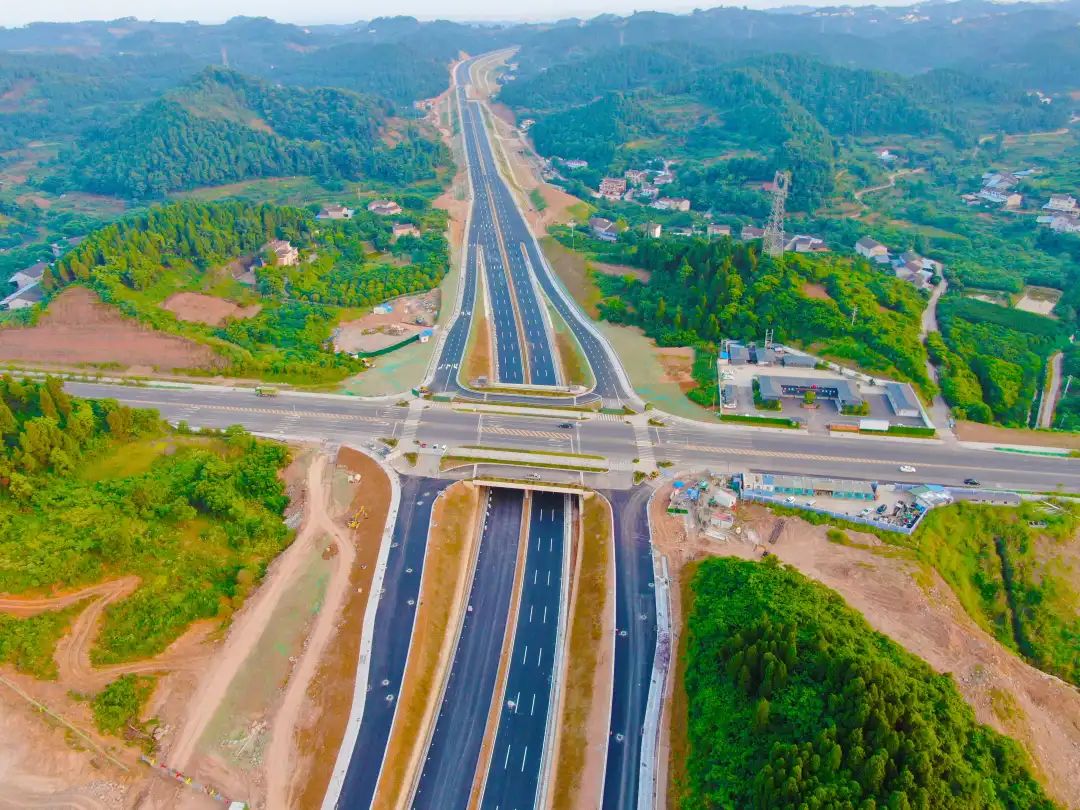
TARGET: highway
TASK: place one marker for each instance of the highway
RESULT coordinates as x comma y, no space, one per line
635,644
518,754
392,635
340,419
451,763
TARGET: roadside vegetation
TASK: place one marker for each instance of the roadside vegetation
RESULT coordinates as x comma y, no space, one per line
92,490
137,263
1008,568
794,701
118,706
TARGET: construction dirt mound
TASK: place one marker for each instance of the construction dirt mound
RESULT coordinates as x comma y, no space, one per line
207,309
77,328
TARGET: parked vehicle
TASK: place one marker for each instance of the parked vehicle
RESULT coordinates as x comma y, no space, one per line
907,468
565,425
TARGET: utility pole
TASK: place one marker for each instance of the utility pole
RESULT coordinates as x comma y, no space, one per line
773,241
769,338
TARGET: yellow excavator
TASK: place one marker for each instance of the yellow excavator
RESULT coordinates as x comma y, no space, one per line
361,514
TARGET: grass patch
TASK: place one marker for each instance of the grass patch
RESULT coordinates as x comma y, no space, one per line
532,452
28,644
572,270
453,461
537,199
118,706
575,366
761,421
411,457
583,652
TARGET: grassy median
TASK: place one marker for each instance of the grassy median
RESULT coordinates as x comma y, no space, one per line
590,601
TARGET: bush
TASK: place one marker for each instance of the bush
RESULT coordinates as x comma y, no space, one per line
117,707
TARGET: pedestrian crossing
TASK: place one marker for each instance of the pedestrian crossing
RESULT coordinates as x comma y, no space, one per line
609,417
529,434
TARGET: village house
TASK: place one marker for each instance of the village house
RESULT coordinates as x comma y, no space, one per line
801,243
384,208
612,187
284,253
680,231
1061,202
647,192
400,229
24,298
672,204
1064,224
750,232
603,229
884,155
29,275
653,230
335,212
999,181
1007,199
636,176
872,250
663,178
712,230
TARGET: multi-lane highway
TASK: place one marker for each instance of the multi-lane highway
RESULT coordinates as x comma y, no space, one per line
515,768
450,766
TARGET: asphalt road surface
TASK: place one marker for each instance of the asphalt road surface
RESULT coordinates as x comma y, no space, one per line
518,755
450,766
635,645
392,635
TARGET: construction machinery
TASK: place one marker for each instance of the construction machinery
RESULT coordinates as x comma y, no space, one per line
361,514
265,391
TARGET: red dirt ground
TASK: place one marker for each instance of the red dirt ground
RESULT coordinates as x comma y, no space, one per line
207,309
78,328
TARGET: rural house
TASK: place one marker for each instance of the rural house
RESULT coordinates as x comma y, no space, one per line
872,250
801,243
404,229
384,208
603,229
749,232
636,176
653,230
285,254
612,187
26,297
712,229
1061,202
29,275
335,212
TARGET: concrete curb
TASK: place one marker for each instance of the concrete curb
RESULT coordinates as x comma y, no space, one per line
360,685
649,788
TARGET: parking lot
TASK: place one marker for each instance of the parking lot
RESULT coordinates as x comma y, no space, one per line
892,506
816,419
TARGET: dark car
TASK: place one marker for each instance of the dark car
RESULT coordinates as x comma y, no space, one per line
971,482
565,425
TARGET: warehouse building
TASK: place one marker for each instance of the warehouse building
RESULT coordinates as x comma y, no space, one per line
808,485
840,390
902,399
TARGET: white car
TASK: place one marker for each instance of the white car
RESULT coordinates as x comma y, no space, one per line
907,468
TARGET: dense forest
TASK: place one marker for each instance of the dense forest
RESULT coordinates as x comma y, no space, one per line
795,702
93,490
992,359
136,262
700,292
224,127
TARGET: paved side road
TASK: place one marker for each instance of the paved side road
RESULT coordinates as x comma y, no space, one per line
392,635
514,771
450,766
635,645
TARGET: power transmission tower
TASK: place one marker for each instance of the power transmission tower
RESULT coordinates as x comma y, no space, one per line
774,229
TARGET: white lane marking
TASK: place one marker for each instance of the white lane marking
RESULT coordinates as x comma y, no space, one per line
506,759
530,614
532,709
539,656
545,615
525,655
523,756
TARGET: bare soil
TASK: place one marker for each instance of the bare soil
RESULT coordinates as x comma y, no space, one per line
78,329
208,309
811,290
374,331
992,434
916,609
678,363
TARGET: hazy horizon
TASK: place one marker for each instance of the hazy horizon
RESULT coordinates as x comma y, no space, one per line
318,12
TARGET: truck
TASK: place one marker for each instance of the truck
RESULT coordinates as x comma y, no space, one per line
265,391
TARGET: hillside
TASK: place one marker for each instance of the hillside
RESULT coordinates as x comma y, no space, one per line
223,127
796,702
623,107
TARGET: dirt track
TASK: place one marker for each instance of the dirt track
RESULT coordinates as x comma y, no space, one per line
23,607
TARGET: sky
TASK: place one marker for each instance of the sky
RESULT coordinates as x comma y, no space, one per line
14,13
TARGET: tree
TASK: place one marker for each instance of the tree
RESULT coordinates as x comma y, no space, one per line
809,397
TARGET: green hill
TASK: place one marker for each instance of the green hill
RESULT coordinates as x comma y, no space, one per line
223,127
